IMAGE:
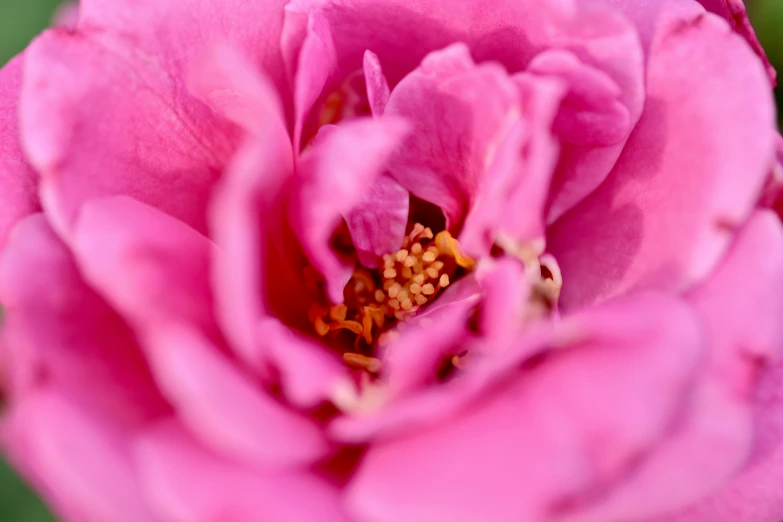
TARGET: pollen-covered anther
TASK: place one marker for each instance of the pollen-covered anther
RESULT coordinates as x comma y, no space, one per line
353,326
394,290
407,280
338,312
362,362
450,246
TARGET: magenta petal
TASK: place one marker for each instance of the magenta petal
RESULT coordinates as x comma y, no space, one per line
377,223
511,201
333,176
19,196
160,145
317,64
461,112
663,217
152,267
243,213
185,481
714,438
54,325
235,89
80,462
173,31
725,301
224,407
516,458
309,374
506,295
413,360
734,12
377,87
165,267
593,123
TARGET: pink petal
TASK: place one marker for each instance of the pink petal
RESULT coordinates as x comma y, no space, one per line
244,213
461,113
734,12
725,300
160,145
258,271
413,360
164,290
232,86
309,374
150,266
511,202
184,481
19,181
332,177
56,329
604,400
79,461
661,218
714,439
175,31
402,33
506,294
224,407
377,223
596,116
317,63
377,87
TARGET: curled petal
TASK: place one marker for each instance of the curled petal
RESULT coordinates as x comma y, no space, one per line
665,215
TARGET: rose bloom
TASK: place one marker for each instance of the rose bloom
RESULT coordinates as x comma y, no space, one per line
385,261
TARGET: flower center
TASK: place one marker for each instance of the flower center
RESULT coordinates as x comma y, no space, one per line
374,300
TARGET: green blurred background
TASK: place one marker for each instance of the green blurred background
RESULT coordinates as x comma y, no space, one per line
20,20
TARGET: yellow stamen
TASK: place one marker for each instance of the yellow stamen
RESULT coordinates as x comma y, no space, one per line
449,246
367,326
353,326
410,278
362,362
338,312
321,328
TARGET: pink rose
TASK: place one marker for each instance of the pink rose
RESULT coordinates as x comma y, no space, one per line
383,261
